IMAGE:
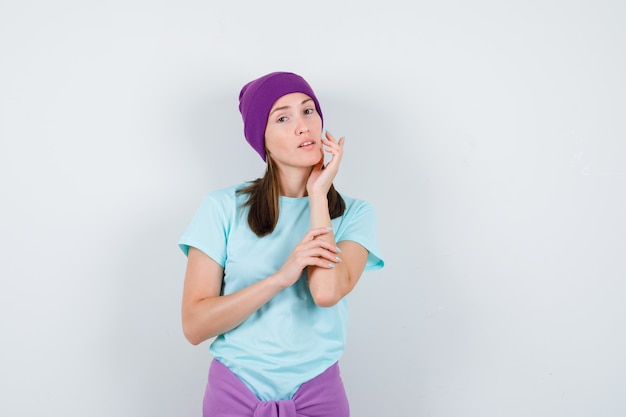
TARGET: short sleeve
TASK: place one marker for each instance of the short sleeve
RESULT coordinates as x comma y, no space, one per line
208,230
359,225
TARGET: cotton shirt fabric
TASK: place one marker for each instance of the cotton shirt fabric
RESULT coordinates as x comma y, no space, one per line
290,339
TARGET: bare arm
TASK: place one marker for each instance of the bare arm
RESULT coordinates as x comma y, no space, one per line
205,313
328,286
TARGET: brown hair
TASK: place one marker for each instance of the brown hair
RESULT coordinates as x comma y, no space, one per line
263,196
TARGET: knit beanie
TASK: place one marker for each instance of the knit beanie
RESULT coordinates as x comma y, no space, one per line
257,98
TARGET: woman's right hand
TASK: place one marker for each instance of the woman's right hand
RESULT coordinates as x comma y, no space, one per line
309,251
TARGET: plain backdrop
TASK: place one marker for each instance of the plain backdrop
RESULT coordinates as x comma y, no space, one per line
488,135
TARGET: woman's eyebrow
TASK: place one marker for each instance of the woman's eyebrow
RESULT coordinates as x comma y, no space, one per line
286,107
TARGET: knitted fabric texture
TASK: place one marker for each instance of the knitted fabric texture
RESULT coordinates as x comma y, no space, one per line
257,98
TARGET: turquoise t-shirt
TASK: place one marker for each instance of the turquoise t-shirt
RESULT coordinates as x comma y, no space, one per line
289,340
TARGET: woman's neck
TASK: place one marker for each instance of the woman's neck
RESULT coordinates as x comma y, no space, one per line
293,182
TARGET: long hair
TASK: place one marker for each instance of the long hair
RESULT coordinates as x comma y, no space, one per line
263,196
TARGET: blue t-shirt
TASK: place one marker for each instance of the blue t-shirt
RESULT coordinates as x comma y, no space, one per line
289,340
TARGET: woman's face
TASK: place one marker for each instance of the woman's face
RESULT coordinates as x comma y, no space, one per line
294,131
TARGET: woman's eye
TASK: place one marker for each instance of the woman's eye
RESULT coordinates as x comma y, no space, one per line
309,111
282,119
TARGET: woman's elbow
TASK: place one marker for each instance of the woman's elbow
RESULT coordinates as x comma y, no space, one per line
191,337
193,340
326,298
329,290
192,334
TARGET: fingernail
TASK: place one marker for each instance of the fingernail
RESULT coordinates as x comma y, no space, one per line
338,258
338,249
329,228
331,265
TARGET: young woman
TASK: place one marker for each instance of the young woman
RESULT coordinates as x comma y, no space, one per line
271,261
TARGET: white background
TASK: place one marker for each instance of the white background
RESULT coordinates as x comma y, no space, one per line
489,136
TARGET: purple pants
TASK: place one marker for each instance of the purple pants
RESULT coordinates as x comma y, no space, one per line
227,396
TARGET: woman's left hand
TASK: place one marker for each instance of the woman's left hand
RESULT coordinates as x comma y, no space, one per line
322,177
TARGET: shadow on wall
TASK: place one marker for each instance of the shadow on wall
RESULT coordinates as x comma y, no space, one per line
215,143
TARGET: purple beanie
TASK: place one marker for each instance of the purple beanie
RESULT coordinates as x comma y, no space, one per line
257,98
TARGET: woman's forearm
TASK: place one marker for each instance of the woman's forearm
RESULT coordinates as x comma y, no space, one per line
327,286
211,316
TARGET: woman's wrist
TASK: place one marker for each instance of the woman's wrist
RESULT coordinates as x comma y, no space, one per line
318,200
277,282
320,216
